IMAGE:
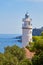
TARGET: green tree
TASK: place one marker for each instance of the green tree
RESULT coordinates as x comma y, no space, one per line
25,62
41,33
16,51
35,38
38,59
12,55
31,46
35,60
10,59
38,46
2,59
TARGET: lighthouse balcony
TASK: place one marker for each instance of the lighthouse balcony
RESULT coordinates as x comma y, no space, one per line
26,26
27,20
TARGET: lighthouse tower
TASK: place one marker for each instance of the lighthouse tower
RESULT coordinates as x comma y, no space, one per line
26,30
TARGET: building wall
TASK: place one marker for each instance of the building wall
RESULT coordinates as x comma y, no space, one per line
26,36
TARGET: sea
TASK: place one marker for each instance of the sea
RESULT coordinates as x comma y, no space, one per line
8,40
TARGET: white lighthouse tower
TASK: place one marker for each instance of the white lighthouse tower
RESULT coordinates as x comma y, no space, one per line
26,30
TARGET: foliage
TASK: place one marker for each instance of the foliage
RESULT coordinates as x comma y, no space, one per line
31,46
2,59
14,56
25,62
35,38
37,47
16,51
35,60
38,59
41,33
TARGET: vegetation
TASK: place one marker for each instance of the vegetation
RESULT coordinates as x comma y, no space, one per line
16,56
41,33
38,59
37,47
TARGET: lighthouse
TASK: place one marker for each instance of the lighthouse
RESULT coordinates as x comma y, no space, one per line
26,30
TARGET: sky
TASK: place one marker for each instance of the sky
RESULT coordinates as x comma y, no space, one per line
12,12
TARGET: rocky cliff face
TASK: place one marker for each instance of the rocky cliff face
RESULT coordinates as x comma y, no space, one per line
37,31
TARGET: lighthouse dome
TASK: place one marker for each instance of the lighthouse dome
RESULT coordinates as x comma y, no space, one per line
27,18
26,15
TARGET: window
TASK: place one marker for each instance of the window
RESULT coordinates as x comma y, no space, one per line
30,31
29,23
25,24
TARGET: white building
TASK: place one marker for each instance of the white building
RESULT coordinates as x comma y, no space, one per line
26,30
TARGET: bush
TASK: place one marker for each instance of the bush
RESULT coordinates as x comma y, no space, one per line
25,62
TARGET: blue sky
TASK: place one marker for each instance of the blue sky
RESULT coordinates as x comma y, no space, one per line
12,12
